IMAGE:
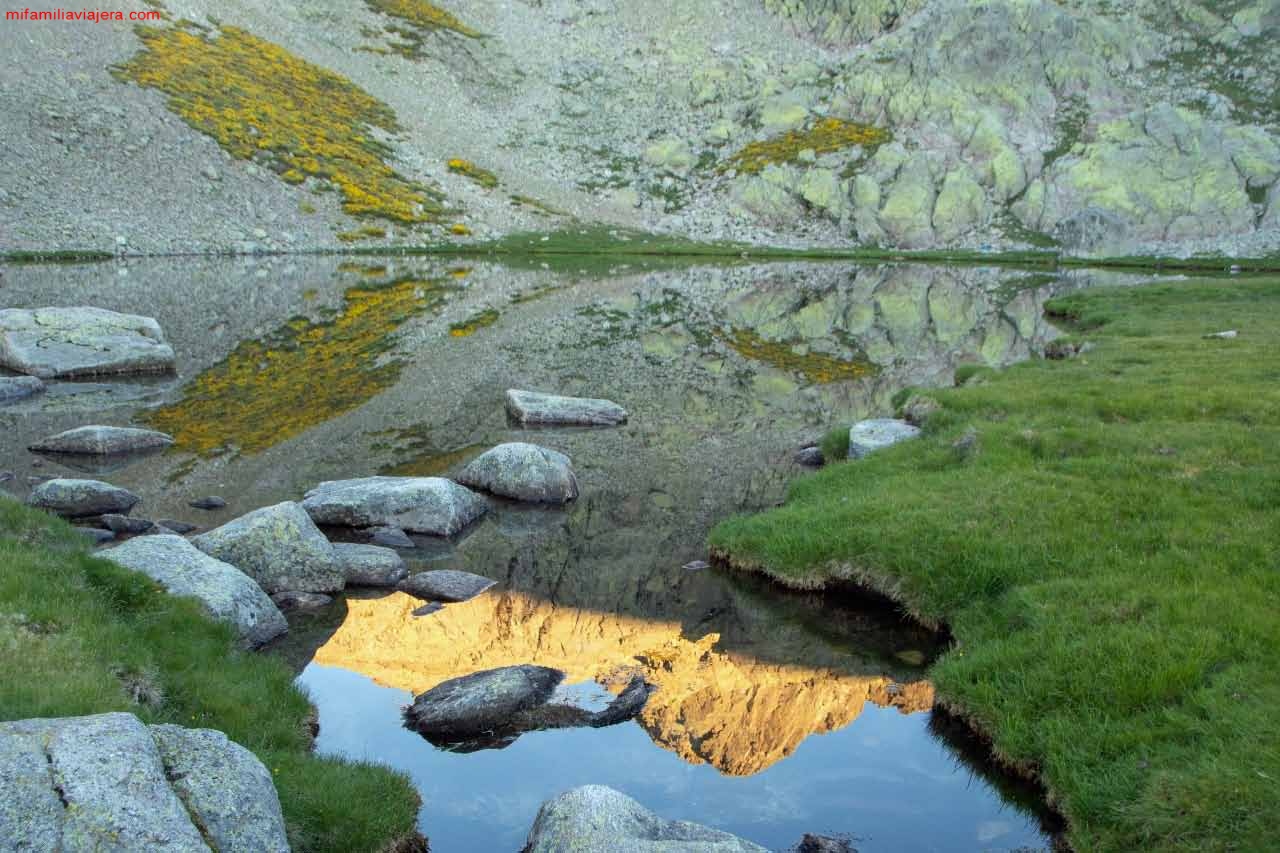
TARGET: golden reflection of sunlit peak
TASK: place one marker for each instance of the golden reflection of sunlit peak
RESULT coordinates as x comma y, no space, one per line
306,373
739,714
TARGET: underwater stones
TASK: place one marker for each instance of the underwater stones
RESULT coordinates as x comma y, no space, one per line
431,505
391,537
103,441
227,593
594,817
71,342
292,602
369,565
81,498
481,702
279,547
532,408
445,585
523,472
13,388
871,435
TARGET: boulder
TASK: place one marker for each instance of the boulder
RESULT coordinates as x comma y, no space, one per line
18,387
227,593
81,498
103,441
594,817
445,585
69,342
279,547
481,702
523,472
869,436
431,505
369,565
532,408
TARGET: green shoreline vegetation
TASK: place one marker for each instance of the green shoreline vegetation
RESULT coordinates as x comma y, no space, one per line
84,636
1100,536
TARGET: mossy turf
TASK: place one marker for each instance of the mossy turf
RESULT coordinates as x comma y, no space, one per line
1107,558
83,636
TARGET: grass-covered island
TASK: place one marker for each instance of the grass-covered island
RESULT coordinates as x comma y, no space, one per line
80,635
1106,555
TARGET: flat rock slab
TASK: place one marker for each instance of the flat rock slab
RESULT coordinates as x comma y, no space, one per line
369,565
431,505
70,342
446,585
594,817
103,441
523,472
82,498
14,388
279,547
481,702
532,408
869,436
227,593
108,782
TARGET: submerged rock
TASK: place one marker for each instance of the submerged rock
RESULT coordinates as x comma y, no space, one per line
446,585
869,436
523,472
82,498
431,505
211,502
129,526
594,817
481,702
369,565
279,547
103,441
19,387
227,593
69,342
391,537
532,408
294,601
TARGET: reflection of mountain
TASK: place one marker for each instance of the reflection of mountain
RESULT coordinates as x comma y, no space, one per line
730,710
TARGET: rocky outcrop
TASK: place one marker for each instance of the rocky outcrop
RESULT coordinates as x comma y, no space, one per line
227,593
13,388
431,505
70,342
594,817
878,433
103,441
279,547
110,782
531,408
523,472
369,565
82,498
446,585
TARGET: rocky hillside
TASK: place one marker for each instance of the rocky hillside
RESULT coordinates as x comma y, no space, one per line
1093,126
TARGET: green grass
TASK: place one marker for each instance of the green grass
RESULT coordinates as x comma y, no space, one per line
83,636
1108,562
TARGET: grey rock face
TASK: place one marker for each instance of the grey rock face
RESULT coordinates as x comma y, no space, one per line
279,547
523,472
876,434
481,702
532,408
18,387
225,786
431,505
446,585
103,440
226,592
594,817
81,498
68,342
369,565
108,782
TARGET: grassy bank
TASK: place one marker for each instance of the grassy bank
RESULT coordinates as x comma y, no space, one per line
1107,558
83,636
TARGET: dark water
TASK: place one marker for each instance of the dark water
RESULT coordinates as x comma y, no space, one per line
776,714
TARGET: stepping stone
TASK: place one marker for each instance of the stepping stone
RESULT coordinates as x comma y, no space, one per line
446,585
523,472
82,498
369,565
71,342
103,441
431,505
531,408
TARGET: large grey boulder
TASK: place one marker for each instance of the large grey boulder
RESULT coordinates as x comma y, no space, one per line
431,505
594,817
876,434
18,387
69,342
532,408
108,782
103,441
369,565
227,593
446,585
523,472
82,498
481,702
279,547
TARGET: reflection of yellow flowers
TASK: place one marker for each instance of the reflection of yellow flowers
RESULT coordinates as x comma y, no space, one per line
474,324
268,391
830,134
817,368
423,15
459,229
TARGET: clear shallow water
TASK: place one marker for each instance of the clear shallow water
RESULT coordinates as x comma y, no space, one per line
776,714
